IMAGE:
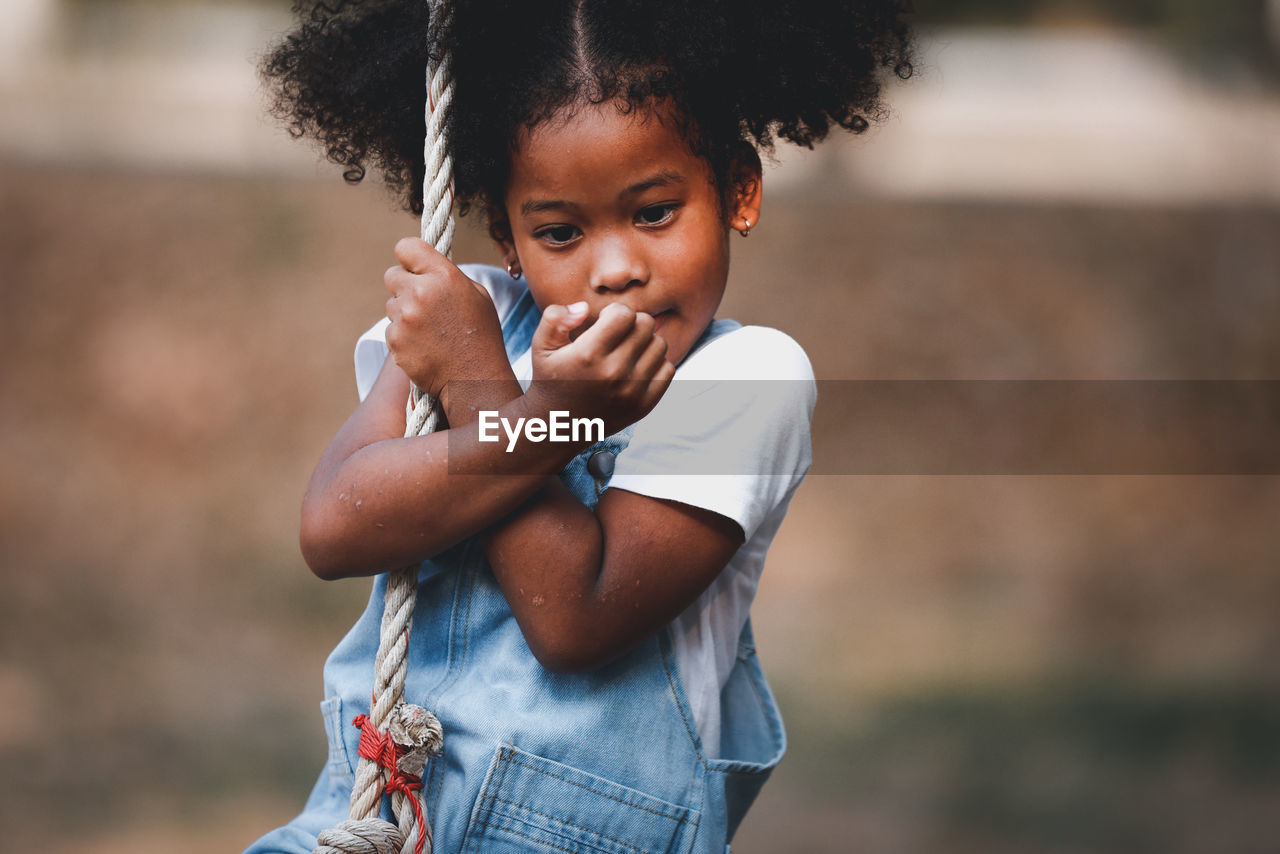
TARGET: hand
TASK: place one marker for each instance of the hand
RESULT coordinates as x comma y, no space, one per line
443,325
616,370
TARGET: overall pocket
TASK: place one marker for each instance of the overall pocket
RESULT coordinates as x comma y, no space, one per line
530,803
342,773
752,737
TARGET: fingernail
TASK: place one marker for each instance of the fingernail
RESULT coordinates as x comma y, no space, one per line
577,309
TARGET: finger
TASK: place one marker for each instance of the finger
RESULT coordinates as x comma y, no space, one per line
644,326
621,360
395,278
417,256
639,338
651,358
403,304
660,382
612,327
556,324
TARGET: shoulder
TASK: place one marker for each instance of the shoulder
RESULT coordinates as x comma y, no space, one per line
755,368
748,369
738,415
502,289
748,352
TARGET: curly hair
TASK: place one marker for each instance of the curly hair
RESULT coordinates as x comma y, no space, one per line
351,75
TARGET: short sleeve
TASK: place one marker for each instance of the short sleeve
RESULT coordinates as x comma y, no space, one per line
731,434
371,347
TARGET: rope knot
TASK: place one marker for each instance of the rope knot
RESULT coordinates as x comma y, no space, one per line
376,745
413,734
366,836
418,732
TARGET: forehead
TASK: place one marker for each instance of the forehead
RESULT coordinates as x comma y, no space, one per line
599,148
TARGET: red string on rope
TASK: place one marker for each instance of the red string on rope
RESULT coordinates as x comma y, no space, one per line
377,746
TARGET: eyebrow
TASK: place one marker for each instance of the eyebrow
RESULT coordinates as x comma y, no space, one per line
664,178
661,179
539,205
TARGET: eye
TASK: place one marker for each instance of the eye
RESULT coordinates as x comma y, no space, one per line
558,235
656,214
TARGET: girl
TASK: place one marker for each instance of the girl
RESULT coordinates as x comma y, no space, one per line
583,638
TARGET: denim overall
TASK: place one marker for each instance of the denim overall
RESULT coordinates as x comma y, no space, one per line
605,761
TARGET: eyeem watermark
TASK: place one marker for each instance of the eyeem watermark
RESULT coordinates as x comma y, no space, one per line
940,427
560,428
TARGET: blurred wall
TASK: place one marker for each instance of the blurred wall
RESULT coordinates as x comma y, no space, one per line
1068,113
966,663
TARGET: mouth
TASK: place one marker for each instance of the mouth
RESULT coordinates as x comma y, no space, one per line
660,318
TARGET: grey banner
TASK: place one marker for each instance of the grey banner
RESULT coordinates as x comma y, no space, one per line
977,427
1090,427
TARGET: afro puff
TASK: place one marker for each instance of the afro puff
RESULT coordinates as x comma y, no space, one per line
352,76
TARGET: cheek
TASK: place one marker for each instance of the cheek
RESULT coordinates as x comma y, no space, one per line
709,264
704,251
550,284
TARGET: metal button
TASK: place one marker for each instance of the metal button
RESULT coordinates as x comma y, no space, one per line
601,464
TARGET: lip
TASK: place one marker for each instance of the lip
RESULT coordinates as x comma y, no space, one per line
659,320
658,316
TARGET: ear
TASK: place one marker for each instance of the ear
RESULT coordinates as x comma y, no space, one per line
746,191
500,231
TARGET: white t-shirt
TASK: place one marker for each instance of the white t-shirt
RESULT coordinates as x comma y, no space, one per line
730,435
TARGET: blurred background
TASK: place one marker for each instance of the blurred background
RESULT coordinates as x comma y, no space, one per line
1066,190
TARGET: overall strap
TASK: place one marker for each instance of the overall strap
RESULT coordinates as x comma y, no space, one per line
714,330
521,322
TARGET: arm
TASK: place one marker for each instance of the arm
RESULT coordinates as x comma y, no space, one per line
586,587
378,501
661,535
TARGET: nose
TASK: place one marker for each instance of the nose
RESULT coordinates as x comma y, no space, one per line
618,263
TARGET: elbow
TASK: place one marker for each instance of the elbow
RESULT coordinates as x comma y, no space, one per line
569,652
320,541
567,663
316,554
564,663
338,543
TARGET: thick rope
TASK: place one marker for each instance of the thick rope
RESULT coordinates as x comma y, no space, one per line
360,837
437,206
415,732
